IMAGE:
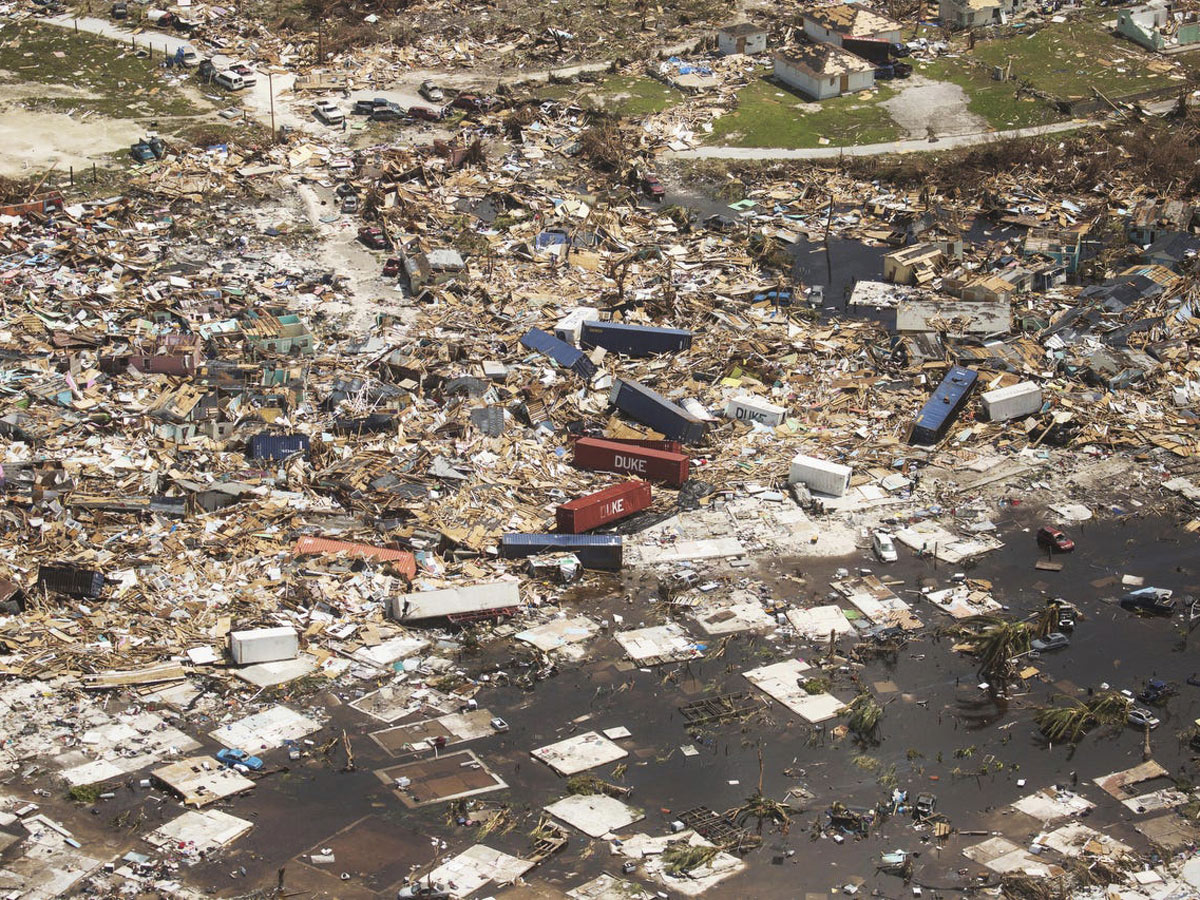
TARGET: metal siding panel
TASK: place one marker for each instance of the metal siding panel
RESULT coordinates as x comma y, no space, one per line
651,408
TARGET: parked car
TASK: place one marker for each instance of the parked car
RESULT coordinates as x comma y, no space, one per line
240,758
1140,717
147,149
423,890
474,103
1150,600
427,113
249,76
188,56
499,725
1055,539
372,236
1068,615
391,268
899,49
431,92
1155,691
1055,640
351,204
884,547
327,111
368,106
120,10
652,187
229,80
389,113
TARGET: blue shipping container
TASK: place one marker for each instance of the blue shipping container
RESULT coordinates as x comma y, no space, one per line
277,446
651,408
595,551
941,409
633,340
560,351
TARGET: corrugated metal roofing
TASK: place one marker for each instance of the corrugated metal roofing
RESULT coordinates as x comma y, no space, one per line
306,545
560,351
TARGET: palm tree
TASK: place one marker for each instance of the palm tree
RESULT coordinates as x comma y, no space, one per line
995,641
1071,719
862,717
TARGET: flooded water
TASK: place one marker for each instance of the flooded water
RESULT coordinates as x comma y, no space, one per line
940,733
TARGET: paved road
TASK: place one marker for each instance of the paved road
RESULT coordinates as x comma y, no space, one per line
948,142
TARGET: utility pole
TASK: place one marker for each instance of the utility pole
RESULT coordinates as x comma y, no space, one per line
271,91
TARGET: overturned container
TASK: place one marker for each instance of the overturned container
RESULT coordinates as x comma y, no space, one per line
754,409
263,645
70,579
1012,402
595,551
651,408
634,340
567,329
943,407
601,508
820,475
643,462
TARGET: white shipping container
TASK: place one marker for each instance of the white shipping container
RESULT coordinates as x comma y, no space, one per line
474,598
820,475
260,645
1012,402
753,409
568,326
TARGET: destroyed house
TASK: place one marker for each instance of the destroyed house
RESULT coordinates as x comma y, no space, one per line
916,264
976,13
285,333
821,71
742,37
1151,219
989,288
433,268
1158,26
830,24
1172,251
1134,285
1061,245
954,317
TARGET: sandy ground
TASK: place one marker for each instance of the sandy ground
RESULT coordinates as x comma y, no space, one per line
34,141
923,103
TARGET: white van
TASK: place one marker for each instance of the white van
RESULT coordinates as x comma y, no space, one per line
231,81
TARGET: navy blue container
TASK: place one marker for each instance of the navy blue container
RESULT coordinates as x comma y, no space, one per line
940,410
595,551
633,340
651,408
70,579
276,446
560,351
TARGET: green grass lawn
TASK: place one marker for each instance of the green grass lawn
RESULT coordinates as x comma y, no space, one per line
112,79
1071,58
995,101
625,95
769,115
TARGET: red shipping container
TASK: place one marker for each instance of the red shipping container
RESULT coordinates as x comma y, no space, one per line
644,462
669,446
613,503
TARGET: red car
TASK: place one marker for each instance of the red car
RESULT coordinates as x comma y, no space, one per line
372,236
653,187
474,103
1054,539
391,268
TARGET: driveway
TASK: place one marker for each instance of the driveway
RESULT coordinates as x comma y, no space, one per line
923,103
